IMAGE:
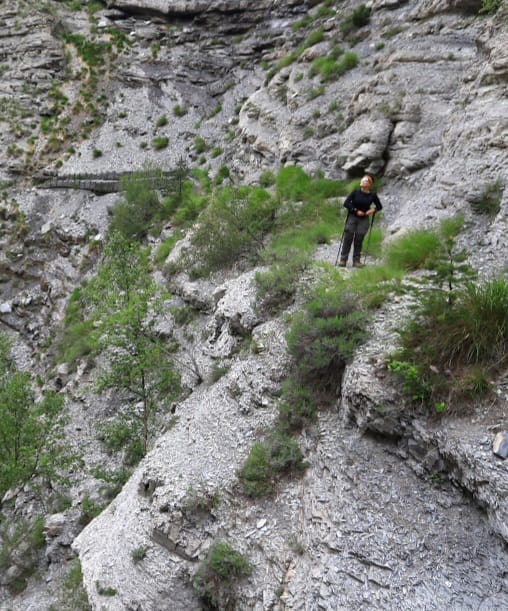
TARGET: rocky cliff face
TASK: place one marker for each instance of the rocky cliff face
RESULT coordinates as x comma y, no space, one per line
425,107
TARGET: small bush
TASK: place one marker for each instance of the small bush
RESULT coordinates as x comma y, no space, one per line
276,287
218,371
161,121
233,226
217,575
489,202
267,179
359,18
412,251
452,349
267,461
179,111
163,251
140,210
324,336
75,342
89,510
201,500
297,407
138,554
160,142
200,145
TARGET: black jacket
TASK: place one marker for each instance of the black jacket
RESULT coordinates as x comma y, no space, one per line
358,200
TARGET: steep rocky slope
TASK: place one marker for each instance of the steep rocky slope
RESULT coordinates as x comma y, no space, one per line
425,107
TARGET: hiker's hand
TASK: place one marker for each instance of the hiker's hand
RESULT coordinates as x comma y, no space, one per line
360,213
370,211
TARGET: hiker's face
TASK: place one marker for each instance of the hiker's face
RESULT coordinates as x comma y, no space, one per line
365,182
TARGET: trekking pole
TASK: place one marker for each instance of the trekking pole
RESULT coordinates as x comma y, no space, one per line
341,239
368,237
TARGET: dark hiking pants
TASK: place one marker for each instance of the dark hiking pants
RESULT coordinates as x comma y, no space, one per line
355,230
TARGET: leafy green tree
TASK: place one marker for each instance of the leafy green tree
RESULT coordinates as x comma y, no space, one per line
125,301
140,209
30,428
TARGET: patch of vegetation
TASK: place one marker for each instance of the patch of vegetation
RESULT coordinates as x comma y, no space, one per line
163,251
492,6
90,509
323,337
200,145
278,454
31,429
21,544
71,595
138,554
161,121
413,250
392,31
179,111
451,351
218,574
233,226
359,18
75,342
489,202
330,68
140,211
218,371
201,500
276,286
105,590
123,301
160,142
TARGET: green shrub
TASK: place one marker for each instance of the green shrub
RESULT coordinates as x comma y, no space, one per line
330,69
323,337
75,342
233,226
138,554
491,6
372,284
453,348
163,250
21,542
276,287
140,210
489,202
268,460
218,371
161,121
297,407
105,590
218,574
89,510
267,179
72,595
200,145
359,18
413,250
179,111
160,142
314,37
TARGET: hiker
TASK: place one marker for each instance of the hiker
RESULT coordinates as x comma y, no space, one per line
360,204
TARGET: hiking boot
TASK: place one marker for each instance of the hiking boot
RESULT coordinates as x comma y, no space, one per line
358,264
342,263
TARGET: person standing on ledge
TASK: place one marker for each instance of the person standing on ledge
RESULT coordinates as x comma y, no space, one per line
360,204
